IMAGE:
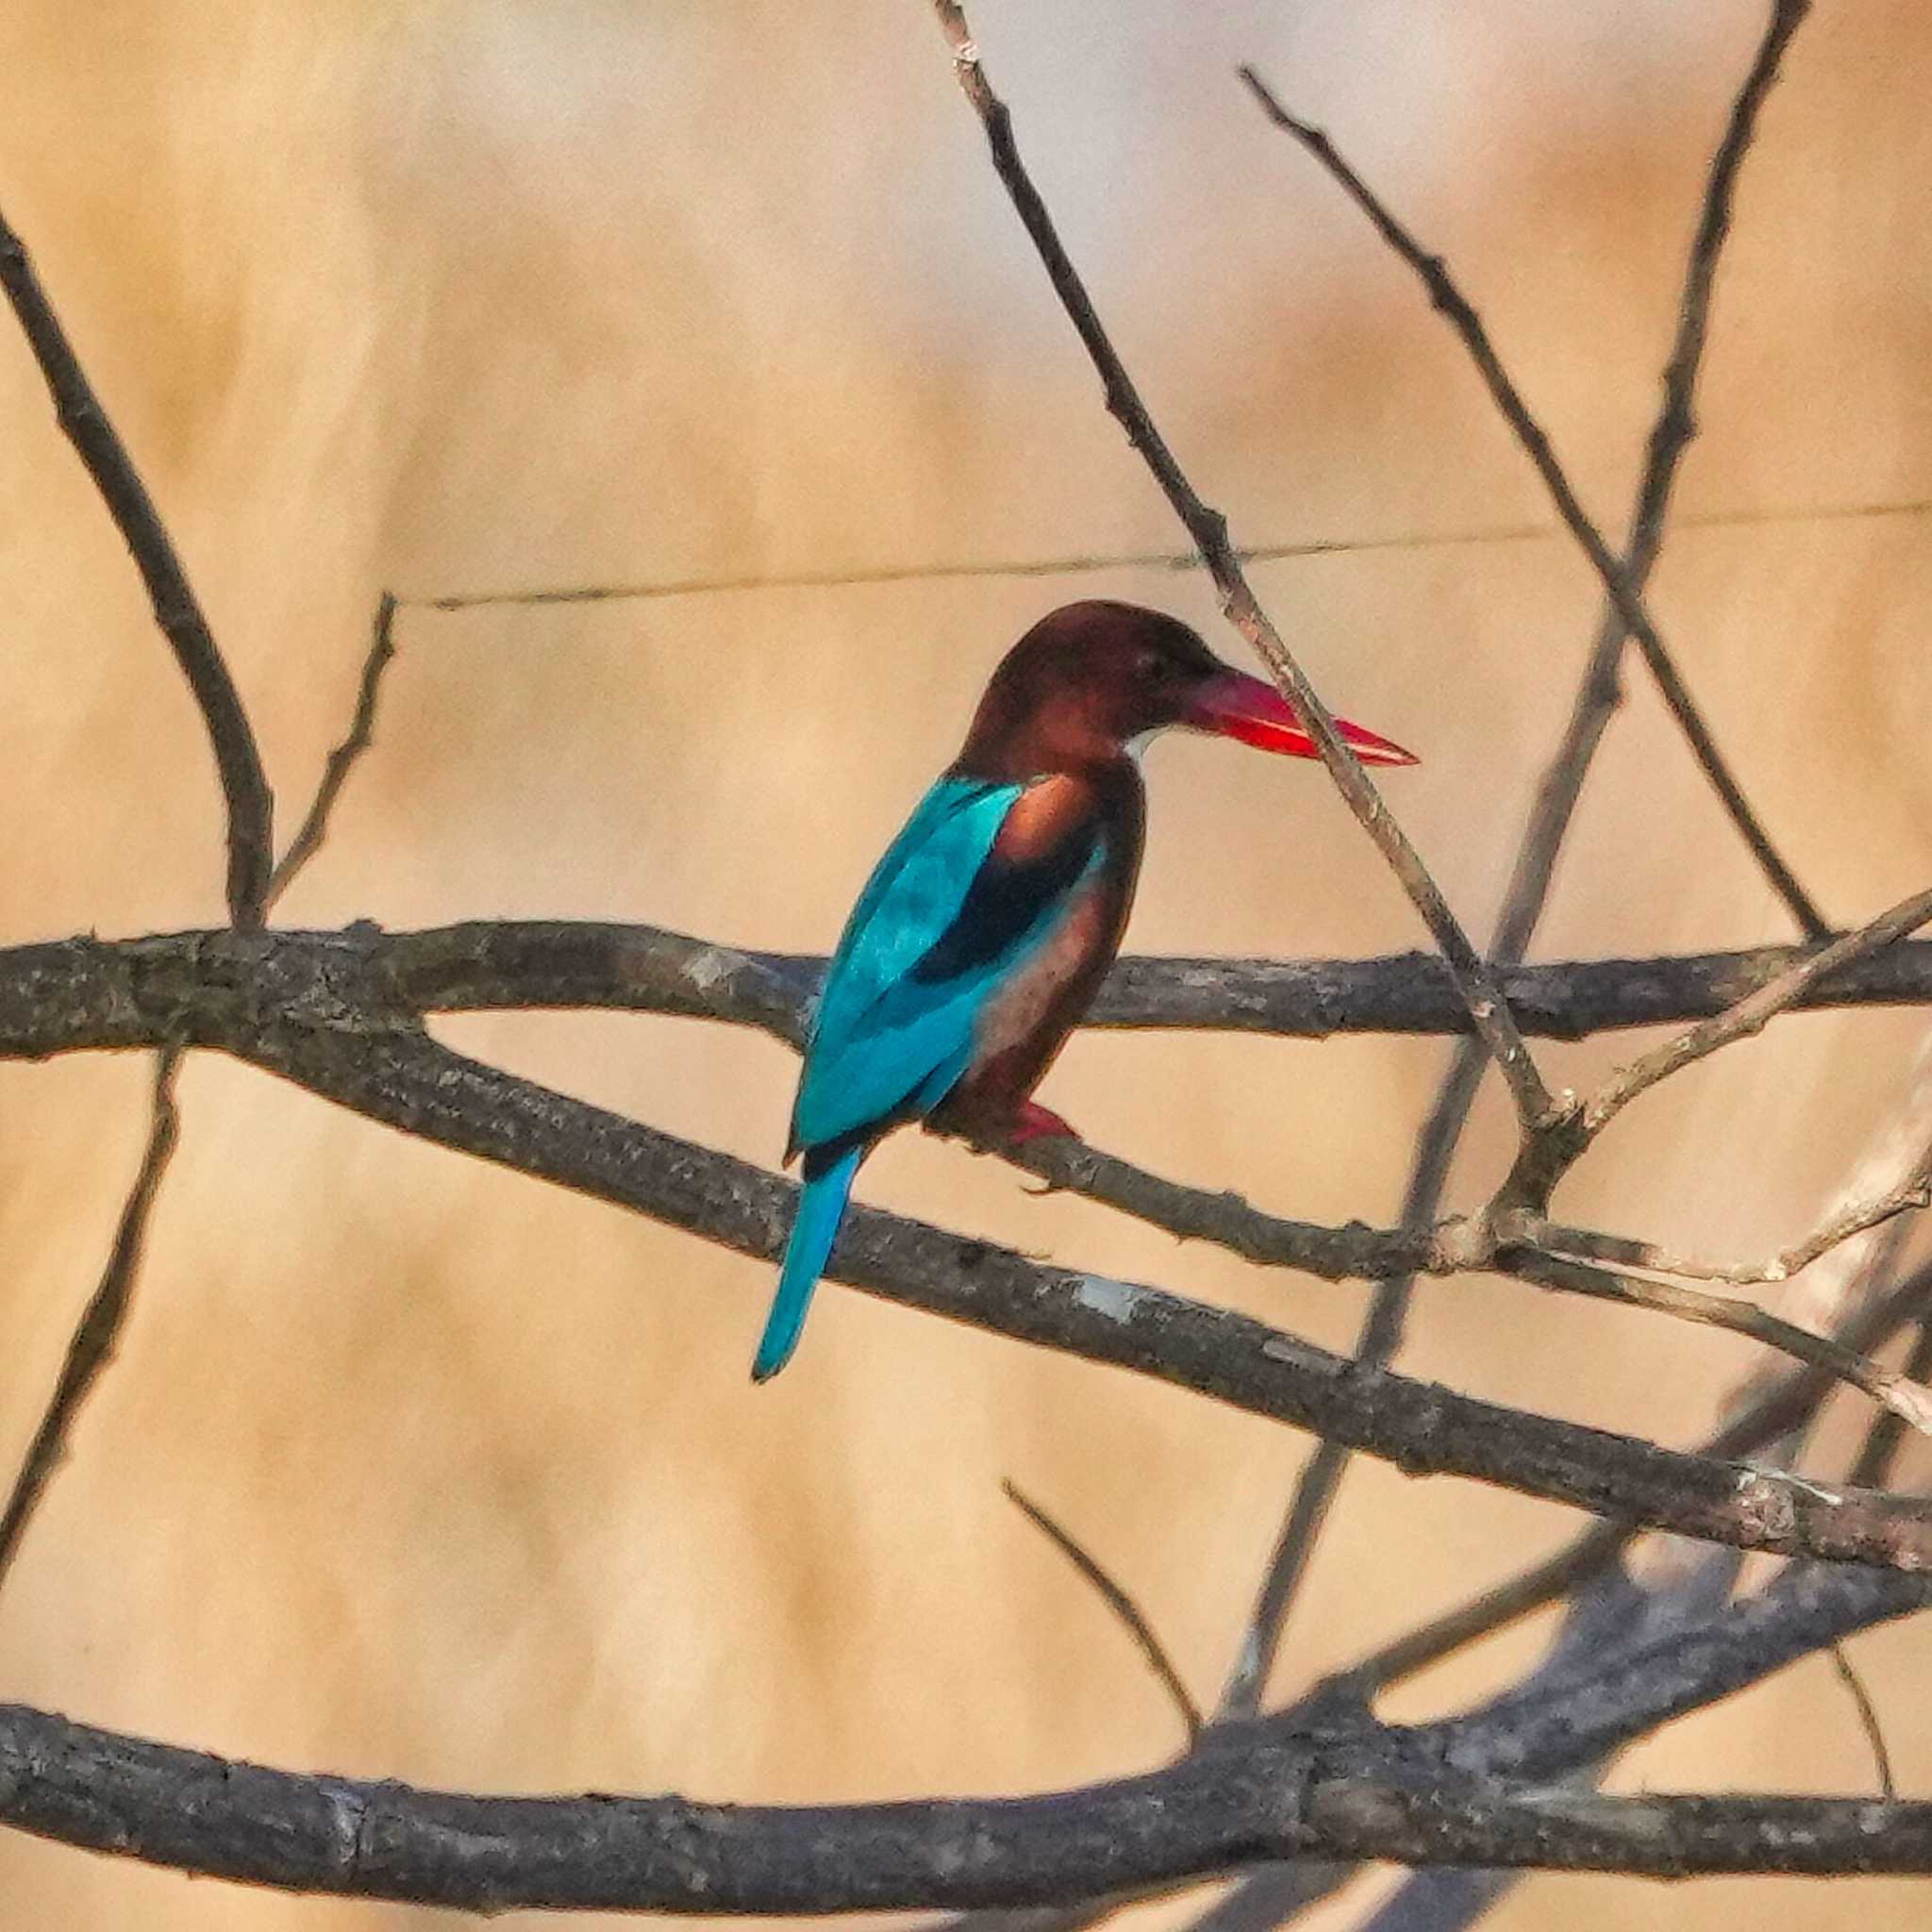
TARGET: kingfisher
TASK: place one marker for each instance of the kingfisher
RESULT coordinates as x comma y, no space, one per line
985,931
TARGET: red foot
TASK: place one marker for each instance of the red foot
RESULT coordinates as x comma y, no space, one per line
1036,1123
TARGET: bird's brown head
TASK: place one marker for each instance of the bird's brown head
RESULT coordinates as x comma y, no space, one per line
1091,680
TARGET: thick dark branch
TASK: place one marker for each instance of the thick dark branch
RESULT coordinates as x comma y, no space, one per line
94,1339
318,1007
1651,1837
353,989
1409,992
1488,1010
1567,1721
1434,1796
398,1075
1600,1691
1609,1613
68,996
238,763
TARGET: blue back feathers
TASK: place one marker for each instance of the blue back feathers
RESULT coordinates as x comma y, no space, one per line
935,933
894,1025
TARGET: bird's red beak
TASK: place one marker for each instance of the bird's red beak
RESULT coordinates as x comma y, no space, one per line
1233,705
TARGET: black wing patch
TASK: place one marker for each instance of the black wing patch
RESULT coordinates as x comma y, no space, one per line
1006,899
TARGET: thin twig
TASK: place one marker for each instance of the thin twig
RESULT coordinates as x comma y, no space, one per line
1534,868
342,761
1842,1224
1868,1717
1115,1596
94,1339
1751,1014
1320,1477
1887,1435
1779,1407
1446,296
78,410
1887,1386
1560,1140
1511,1243
1209,528
1093,562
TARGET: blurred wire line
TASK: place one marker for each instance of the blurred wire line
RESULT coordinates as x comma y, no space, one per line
1086,563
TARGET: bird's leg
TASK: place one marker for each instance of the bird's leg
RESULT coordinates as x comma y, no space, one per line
988,1129
1032,1121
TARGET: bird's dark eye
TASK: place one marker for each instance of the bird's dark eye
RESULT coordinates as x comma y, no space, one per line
1151,667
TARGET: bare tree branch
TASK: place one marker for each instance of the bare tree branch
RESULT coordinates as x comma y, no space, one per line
1611,1612
1886,1434
1910,1400
1614,1612
1486,1007
1448,298
1512,1243
1559,1140
1471,1791
1325,1783
1535,865
1288,1561
1784,1404
1772,1408
238,763
1130,1615
1868,1719
348,986
94,1342
1410,993
1751,1014
342,761
85,992
392,1073
1853,1218
1661,1635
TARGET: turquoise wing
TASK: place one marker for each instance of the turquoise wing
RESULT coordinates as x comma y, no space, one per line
919,957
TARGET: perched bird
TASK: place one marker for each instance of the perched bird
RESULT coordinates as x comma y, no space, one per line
986,929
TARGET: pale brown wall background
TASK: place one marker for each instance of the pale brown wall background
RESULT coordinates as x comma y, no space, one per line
412,1468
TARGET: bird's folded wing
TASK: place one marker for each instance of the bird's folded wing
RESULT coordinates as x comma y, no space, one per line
946,918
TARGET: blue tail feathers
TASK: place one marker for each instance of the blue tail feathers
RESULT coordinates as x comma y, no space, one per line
820,1208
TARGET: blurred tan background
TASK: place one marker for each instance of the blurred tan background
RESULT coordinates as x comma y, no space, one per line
410,1467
